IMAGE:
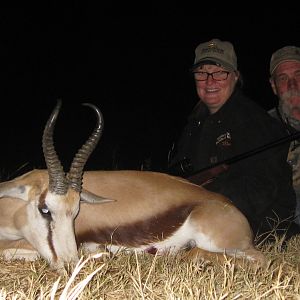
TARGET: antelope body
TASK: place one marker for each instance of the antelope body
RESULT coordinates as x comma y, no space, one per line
145,211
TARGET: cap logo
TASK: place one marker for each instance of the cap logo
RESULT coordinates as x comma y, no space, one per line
212,47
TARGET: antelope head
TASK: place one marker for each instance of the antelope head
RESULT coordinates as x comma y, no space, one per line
46,205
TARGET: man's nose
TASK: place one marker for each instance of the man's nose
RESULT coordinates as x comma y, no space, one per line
292,82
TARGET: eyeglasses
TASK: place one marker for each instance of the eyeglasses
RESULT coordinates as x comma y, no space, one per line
218,76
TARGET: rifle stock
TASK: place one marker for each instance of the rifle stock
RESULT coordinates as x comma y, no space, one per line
207,176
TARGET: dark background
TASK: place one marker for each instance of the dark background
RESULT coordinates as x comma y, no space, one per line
133,66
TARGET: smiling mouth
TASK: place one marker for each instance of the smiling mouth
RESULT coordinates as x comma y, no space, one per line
212,90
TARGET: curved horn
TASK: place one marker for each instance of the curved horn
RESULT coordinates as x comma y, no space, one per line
57,179
80,159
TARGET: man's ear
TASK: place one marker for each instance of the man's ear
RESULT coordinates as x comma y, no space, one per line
273,86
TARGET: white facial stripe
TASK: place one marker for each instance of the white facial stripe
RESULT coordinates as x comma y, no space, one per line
61,235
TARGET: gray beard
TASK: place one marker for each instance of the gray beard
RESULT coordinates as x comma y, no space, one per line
285,111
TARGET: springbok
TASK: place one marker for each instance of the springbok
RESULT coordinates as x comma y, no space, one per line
41,213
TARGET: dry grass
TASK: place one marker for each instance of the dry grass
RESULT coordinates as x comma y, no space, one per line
144,276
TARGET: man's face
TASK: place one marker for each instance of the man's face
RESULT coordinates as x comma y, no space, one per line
285,83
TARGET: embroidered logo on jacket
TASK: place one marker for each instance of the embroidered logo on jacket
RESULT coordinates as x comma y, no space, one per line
224,140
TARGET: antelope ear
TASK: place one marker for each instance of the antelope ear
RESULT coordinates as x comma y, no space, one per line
18,191
86,196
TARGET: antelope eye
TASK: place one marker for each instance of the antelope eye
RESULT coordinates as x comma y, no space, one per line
44,211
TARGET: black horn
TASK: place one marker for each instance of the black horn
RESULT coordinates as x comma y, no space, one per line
80,159
57,180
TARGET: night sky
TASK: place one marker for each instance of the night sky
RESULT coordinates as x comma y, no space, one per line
134,68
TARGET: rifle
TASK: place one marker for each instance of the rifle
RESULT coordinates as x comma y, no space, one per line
206,175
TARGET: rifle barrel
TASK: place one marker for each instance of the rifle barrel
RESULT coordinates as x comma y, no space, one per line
250,153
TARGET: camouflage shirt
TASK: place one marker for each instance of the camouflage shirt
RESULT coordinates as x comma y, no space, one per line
293,158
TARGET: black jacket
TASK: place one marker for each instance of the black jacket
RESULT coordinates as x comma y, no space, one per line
261,185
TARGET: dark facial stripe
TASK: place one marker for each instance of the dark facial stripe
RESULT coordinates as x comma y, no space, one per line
156,228
42,203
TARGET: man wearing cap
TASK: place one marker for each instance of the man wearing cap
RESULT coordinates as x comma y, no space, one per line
285,83
224,124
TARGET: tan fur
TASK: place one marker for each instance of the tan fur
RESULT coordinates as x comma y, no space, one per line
12,214
150,207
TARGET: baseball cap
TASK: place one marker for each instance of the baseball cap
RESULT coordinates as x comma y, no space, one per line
216,52
287,53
